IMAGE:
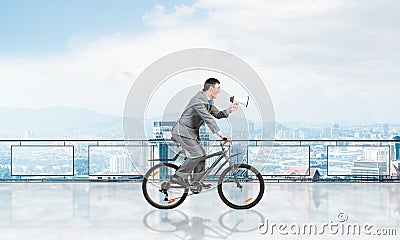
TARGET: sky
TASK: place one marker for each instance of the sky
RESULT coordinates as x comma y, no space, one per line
321,60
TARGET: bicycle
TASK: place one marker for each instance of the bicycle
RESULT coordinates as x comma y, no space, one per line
240,186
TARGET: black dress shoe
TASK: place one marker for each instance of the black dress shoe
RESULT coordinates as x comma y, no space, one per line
205,185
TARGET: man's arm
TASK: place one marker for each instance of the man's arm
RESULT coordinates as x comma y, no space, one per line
201,110
219,114
225,113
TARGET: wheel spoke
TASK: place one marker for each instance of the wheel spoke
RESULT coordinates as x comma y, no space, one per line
241,186
157,189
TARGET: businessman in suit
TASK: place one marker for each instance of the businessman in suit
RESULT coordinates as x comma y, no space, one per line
185,132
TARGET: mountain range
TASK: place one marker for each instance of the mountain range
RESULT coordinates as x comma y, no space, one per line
56,122
81,123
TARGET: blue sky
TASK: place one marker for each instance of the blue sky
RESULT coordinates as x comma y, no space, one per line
321,60
30,27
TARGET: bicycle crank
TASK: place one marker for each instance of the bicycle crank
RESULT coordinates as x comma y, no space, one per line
196,187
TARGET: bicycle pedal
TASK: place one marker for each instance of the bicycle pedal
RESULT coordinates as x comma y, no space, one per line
165,193
196,187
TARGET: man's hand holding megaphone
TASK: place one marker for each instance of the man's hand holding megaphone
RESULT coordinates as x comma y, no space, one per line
244,101
233,107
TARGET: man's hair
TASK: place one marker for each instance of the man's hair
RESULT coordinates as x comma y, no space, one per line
210,82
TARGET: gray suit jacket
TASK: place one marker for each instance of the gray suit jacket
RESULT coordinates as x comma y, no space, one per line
195,114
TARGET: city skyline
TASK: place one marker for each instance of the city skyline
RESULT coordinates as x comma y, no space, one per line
64,123
344,157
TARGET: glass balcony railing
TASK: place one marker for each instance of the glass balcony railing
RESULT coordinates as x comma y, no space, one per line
119,160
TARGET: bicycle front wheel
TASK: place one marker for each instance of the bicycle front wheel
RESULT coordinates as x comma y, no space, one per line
241,186
157,189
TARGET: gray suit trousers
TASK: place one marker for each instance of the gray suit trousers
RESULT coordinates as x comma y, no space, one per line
195,162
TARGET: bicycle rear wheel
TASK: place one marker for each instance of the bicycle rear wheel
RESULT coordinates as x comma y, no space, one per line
241,186
157,189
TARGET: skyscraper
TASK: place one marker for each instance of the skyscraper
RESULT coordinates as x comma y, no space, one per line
120,164
162,130
385,130
335,132
396,148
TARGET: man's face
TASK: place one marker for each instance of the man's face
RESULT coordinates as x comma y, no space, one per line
215,90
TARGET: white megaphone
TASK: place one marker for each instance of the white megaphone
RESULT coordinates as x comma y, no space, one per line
244,101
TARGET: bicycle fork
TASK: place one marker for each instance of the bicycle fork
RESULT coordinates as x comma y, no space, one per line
238,185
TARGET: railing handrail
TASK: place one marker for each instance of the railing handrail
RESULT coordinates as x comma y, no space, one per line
234,140
257,142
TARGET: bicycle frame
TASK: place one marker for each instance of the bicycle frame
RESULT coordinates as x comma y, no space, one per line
223,154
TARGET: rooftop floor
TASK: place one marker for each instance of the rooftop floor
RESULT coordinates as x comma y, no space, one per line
119,211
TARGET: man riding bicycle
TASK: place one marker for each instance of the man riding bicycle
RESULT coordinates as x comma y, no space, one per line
185,132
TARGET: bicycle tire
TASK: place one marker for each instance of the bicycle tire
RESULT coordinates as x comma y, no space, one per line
241,199
155,197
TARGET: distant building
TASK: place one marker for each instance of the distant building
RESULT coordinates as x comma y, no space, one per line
303,172
252,132
396,148
376,154
385,130
365,168
162,130
394,172
28,134
203,134
336,132
120,164
326,133
281,134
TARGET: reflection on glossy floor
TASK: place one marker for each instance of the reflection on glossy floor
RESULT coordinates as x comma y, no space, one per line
119,211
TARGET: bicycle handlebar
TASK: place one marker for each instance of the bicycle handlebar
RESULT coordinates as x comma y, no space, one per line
224,141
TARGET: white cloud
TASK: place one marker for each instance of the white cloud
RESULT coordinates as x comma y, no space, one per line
160,18
322,60
96,75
